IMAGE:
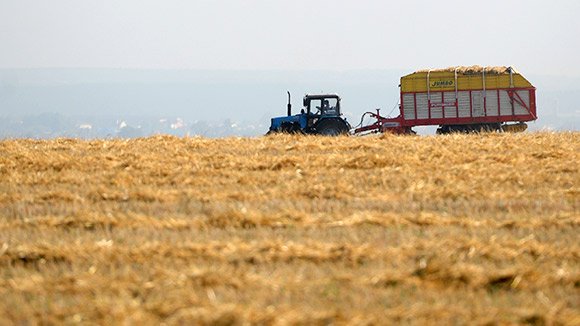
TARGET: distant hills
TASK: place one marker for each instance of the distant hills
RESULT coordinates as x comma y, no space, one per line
44,103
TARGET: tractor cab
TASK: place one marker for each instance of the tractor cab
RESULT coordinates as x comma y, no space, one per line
321,115
322,105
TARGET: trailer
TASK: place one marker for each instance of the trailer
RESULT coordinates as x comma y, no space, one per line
461,99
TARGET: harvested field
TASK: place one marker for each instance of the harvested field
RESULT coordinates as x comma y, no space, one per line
291,230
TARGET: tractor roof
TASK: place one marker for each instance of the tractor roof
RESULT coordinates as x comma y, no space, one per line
320,96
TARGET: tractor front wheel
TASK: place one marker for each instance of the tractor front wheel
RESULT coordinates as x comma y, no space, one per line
290,128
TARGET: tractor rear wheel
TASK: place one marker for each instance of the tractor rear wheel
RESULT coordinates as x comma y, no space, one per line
331,127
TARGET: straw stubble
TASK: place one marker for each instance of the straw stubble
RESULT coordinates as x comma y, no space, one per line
291,230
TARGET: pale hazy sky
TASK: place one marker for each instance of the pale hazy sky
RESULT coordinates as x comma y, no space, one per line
539,37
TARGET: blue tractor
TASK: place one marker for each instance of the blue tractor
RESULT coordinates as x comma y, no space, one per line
320,116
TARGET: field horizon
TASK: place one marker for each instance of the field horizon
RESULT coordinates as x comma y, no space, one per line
290,229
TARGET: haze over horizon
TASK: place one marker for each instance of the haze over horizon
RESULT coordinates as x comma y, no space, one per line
235,59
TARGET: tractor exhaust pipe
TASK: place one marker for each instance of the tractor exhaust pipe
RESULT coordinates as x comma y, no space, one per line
289,105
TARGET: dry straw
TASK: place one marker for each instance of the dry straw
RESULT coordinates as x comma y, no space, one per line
291,230
473,70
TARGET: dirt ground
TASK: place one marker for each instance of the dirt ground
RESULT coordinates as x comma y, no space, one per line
455,229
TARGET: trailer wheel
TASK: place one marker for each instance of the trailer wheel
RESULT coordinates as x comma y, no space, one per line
513,128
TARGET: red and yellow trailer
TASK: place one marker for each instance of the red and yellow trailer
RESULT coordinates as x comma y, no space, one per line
462,99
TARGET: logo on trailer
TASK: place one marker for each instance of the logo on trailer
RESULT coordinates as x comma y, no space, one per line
442,83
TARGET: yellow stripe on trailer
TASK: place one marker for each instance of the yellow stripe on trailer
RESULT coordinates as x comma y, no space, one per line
463,78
